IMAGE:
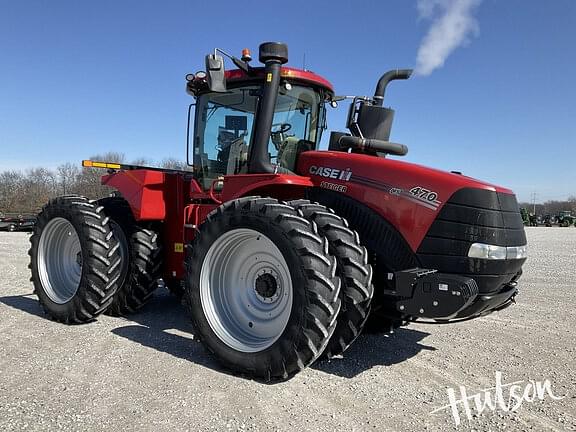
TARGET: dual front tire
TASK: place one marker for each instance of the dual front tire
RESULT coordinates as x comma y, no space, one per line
269,285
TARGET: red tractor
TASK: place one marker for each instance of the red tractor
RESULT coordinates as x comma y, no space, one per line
281,251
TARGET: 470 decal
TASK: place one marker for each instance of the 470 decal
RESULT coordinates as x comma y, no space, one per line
424,194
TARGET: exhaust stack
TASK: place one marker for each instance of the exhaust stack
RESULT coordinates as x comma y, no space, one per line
395,74
273,55
369,121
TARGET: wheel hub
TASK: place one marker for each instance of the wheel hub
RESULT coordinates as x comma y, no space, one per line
266,287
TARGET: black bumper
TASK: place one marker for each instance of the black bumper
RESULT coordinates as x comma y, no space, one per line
485,304
444,297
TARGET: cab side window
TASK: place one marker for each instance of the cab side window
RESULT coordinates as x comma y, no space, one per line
223,131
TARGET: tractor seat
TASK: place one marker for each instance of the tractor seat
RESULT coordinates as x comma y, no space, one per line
291,148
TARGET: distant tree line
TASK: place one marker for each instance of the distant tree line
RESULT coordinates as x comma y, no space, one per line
25,192
551,207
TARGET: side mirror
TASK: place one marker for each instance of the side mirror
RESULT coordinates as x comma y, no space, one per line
215,73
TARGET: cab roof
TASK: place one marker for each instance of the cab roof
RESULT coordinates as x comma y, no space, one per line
300,75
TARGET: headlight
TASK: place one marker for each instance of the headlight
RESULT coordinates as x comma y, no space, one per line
516,252
492,252
486,251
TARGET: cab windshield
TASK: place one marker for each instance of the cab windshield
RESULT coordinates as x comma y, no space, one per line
225,122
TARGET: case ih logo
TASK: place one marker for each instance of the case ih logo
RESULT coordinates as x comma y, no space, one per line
332,173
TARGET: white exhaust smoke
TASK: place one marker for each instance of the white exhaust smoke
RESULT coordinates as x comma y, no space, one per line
452,24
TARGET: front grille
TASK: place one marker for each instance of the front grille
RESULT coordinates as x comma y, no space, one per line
475,216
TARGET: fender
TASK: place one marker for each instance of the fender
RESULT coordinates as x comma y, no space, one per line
384,242
145,191
281,186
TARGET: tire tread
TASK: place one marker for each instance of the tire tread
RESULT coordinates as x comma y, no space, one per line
285,357
100,270
353,269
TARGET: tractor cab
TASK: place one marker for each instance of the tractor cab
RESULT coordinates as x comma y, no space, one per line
258,120
229,109
224,128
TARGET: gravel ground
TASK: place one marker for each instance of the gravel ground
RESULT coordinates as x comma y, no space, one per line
147,372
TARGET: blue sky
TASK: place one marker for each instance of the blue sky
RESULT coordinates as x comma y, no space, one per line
79,78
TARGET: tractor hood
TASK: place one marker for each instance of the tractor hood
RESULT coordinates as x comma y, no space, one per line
407,195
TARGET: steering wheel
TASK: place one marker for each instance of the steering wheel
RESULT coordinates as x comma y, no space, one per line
278,136
282,127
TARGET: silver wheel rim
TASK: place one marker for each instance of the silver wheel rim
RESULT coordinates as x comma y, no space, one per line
246,290
60,260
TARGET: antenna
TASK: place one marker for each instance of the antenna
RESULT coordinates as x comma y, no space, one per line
304,61
534,202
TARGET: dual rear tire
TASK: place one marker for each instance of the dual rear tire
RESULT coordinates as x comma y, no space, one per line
142,257
90,257
75,260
